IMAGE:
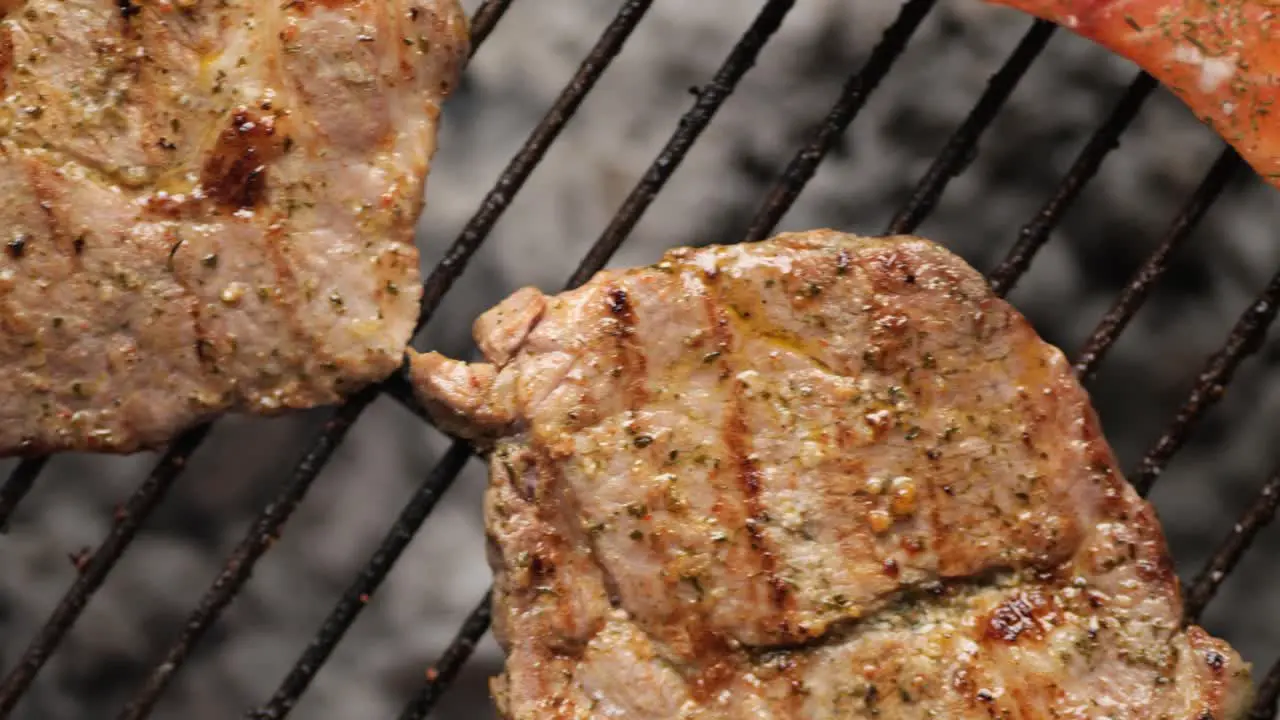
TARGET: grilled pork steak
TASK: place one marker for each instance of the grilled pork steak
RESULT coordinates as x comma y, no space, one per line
821,476
209,206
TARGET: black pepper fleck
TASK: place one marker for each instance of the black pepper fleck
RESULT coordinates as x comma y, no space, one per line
18,245
1215,659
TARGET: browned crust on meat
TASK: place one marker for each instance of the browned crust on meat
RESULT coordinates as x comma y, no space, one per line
235,170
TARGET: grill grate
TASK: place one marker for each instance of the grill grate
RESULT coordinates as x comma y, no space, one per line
1243,340
962,146
1115,321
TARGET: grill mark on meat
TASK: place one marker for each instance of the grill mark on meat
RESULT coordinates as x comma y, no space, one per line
128,9
565,515
735,433
630,358
6,55
203,346
44,188
235,171
708,680
289,292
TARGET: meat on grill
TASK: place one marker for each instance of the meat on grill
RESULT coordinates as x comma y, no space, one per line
1220,58
818,477
209,206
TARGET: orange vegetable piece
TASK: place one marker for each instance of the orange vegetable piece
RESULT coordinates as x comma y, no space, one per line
1221,57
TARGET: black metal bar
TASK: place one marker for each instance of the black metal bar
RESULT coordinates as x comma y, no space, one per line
513,177
446,670
398,387
961,147
485,19
235,572
710,98
126,523
1243,341
1264,704
17,487
1135,293
1106,138
366,583
854,95
1258,516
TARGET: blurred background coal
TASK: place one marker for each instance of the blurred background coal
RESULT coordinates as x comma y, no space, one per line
568,201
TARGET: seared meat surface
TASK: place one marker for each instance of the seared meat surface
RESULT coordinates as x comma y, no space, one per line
817,477
210,206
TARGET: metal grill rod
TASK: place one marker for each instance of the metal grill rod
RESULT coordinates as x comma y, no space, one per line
689,128
962,147
485,19
853,96
17,487
1233,547
741,59
268,524
359,593
126,523
517,172
1244,340
441,675
1227,166
1106,138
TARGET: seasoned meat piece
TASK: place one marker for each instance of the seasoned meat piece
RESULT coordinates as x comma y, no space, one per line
210,207
817,477
1220,58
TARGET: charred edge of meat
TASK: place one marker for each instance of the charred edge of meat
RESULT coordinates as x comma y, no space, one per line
128,9
235,174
